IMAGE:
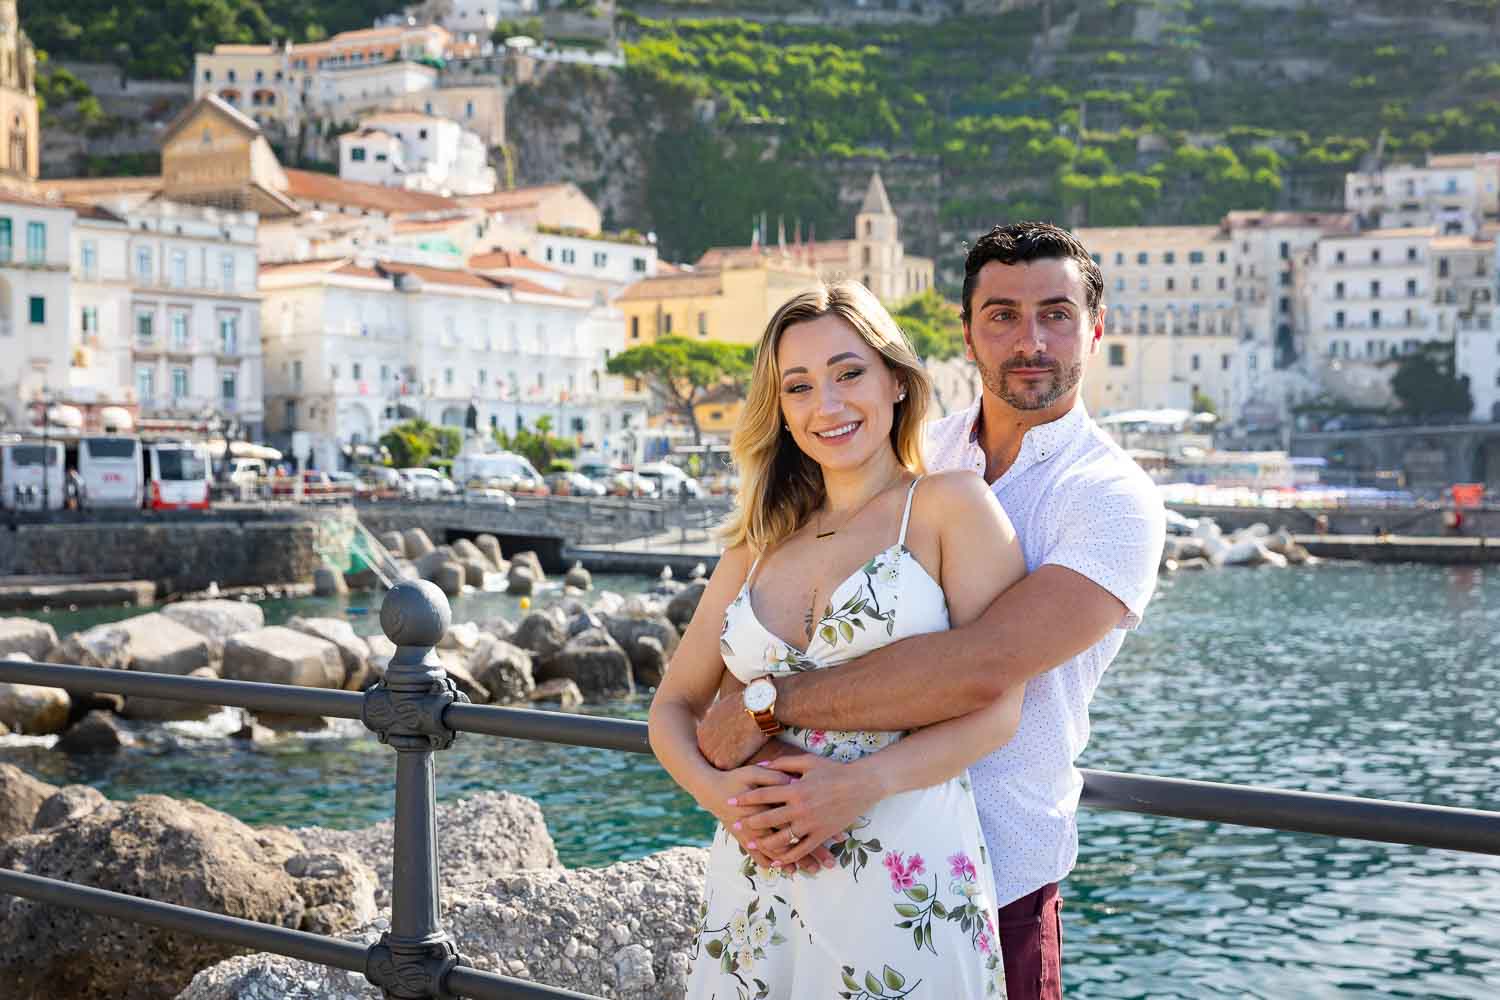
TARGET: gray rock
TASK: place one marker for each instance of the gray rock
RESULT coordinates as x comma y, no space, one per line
106,646
166,709
23,635
71,804
541,634
462,678
647,661
33,709
506,673
582,622
500,628
217,620
487,833
465,550
530,558
520,581
450,578
278,655
490,546
96,732
175,851
329,582
595,662
463,636
579,577
253,732
474,570
553,926
394,542
684,604
353,652
417,543
381,651
160,644
560,690
429,563
21,797
4,729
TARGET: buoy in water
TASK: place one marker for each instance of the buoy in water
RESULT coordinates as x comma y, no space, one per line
525,603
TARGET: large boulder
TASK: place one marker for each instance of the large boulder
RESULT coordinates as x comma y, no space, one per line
560,690
579,578
161,645
381,651
684,604
353,652
466,550
531,559
33,709
175,851
595,662
217,620
429,562
541,634
417,543
394,543
21,796
96,732
279,655
490,546
166,709
450,577
106,646
506,673
23,635
329,582
488,833
647,660
71,804
628,931
520,581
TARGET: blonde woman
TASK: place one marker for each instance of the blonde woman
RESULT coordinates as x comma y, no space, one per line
840,545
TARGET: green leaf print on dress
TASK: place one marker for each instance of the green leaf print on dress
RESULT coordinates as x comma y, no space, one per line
889,985
744,940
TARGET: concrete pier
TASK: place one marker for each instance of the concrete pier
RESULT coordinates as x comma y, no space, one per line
1403,548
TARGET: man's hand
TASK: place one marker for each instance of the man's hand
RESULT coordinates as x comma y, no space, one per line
827,799
727,736
820,857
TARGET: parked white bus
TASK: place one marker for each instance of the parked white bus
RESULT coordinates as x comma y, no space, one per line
177,476
111,470
21,475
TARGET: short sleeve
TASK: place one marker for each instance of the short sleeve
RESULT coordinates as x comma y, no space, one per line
1112,532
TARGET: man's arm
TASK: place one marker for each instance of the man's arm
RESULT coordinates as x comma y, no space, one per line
1046,619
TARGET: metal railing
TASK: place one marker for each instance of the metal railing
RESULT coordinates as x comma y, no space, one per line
418,711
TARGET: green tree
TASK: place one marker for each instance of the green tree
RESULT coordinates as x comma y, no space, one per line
932,325
414,443
540,446
681,372
1203,403
1426,385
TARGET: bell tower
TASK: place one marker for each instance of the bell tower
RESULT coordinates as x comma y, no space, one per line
20,139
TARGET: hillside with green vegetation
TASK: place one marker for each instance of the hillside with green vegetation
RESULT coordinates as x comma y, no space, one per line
1128,112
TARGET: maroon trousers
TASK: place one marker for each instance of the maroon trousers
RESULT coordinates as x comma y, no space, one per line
1031,945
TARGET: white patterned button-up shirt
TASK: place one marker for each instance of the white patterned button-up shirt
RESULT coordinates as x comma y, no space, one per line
1077,501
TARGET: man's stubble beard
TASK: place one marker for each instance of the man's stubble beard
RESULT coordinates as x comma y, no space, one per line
1064,379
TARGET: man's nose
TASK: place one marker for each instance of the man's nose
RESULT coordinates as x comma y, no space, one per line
1031,340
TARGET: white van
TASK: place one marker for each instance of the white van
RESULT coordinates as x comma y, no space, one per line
110,468
515,472
21,475
671,482
177,476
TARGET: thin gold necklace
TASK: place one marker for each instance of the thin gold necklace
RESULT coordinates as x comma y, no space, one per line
857,511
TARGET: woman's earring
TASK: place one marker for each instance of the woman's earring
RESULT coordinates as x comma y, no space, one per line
901,398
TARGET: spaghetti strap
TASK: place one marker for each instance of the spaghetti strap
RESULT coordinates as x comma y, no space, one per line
906,514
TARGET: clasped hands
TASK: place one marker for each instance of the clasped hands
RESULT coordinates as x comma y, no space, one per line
784,807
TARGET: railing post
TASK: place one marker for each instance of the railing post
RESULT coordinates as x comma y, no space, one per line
405,710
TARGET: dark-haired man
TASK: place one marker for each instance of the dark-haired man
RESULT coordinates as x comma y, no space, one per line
1092,527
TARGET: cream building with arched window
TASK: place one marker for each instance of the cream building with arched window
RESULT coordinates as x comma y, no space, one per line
19,135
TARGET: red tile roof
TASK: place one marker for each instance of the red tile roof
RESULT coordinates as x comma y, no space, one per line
502,260
308,185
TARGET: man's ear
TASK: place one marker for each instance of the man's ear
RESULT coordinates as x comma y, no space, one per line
1099,312
968,343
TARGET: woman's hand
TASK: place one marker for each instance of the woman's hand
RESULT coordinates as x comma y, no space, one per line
826,799
723,793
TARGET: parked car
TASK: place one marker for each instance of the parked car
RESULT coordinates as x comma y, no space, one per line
515,472
672,482
426,484
488,492
316,485
383,481
627,484
247,472
574,484
355,486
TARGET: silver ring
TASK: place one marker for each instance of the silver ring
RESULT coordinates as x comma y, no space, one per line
792,839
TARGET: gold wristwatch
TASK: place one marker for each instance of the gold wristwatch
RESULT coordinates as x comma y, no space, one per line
759,699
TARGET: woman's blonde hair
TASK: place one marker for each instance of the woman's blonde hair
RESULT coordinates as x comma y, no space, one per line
780,487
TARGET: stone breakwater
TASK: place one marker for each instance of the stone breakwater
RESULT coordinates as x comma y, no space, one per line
624,931
576,645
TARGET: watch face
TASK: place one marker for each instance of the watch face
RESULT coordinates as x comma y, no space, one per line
760,695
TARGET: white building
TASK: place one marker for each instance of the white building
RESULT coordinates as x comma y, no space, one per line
1369,300
35,303
417,152
479,17
167,313
1172,329
598,266
1464,288
1454,192
355,346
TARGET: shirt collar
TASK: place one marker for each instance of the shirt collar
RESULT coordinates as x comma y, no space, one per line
1041,442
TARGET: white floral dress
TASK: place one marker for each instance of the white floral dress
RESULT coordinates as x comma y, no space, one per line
909,910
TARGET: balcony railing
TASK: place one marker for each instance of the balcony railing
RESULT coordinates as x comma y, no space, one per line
417,711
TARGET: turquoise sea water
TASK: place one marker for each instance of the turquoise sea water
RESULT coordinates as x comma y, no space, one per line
1377,681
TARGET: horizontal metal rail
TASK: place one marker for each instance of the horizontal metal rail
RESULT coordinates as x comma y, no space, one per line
257,936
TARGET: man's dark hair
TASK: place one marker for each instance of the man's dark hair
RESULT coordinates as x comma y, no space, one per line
1021,242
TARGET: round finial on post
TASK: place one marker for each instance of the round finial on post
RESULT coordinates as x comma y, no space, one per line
415,613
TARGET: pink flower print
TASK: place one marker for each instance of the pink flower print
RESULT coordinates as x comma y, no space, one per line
984,942
903,871
962,867
816,738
